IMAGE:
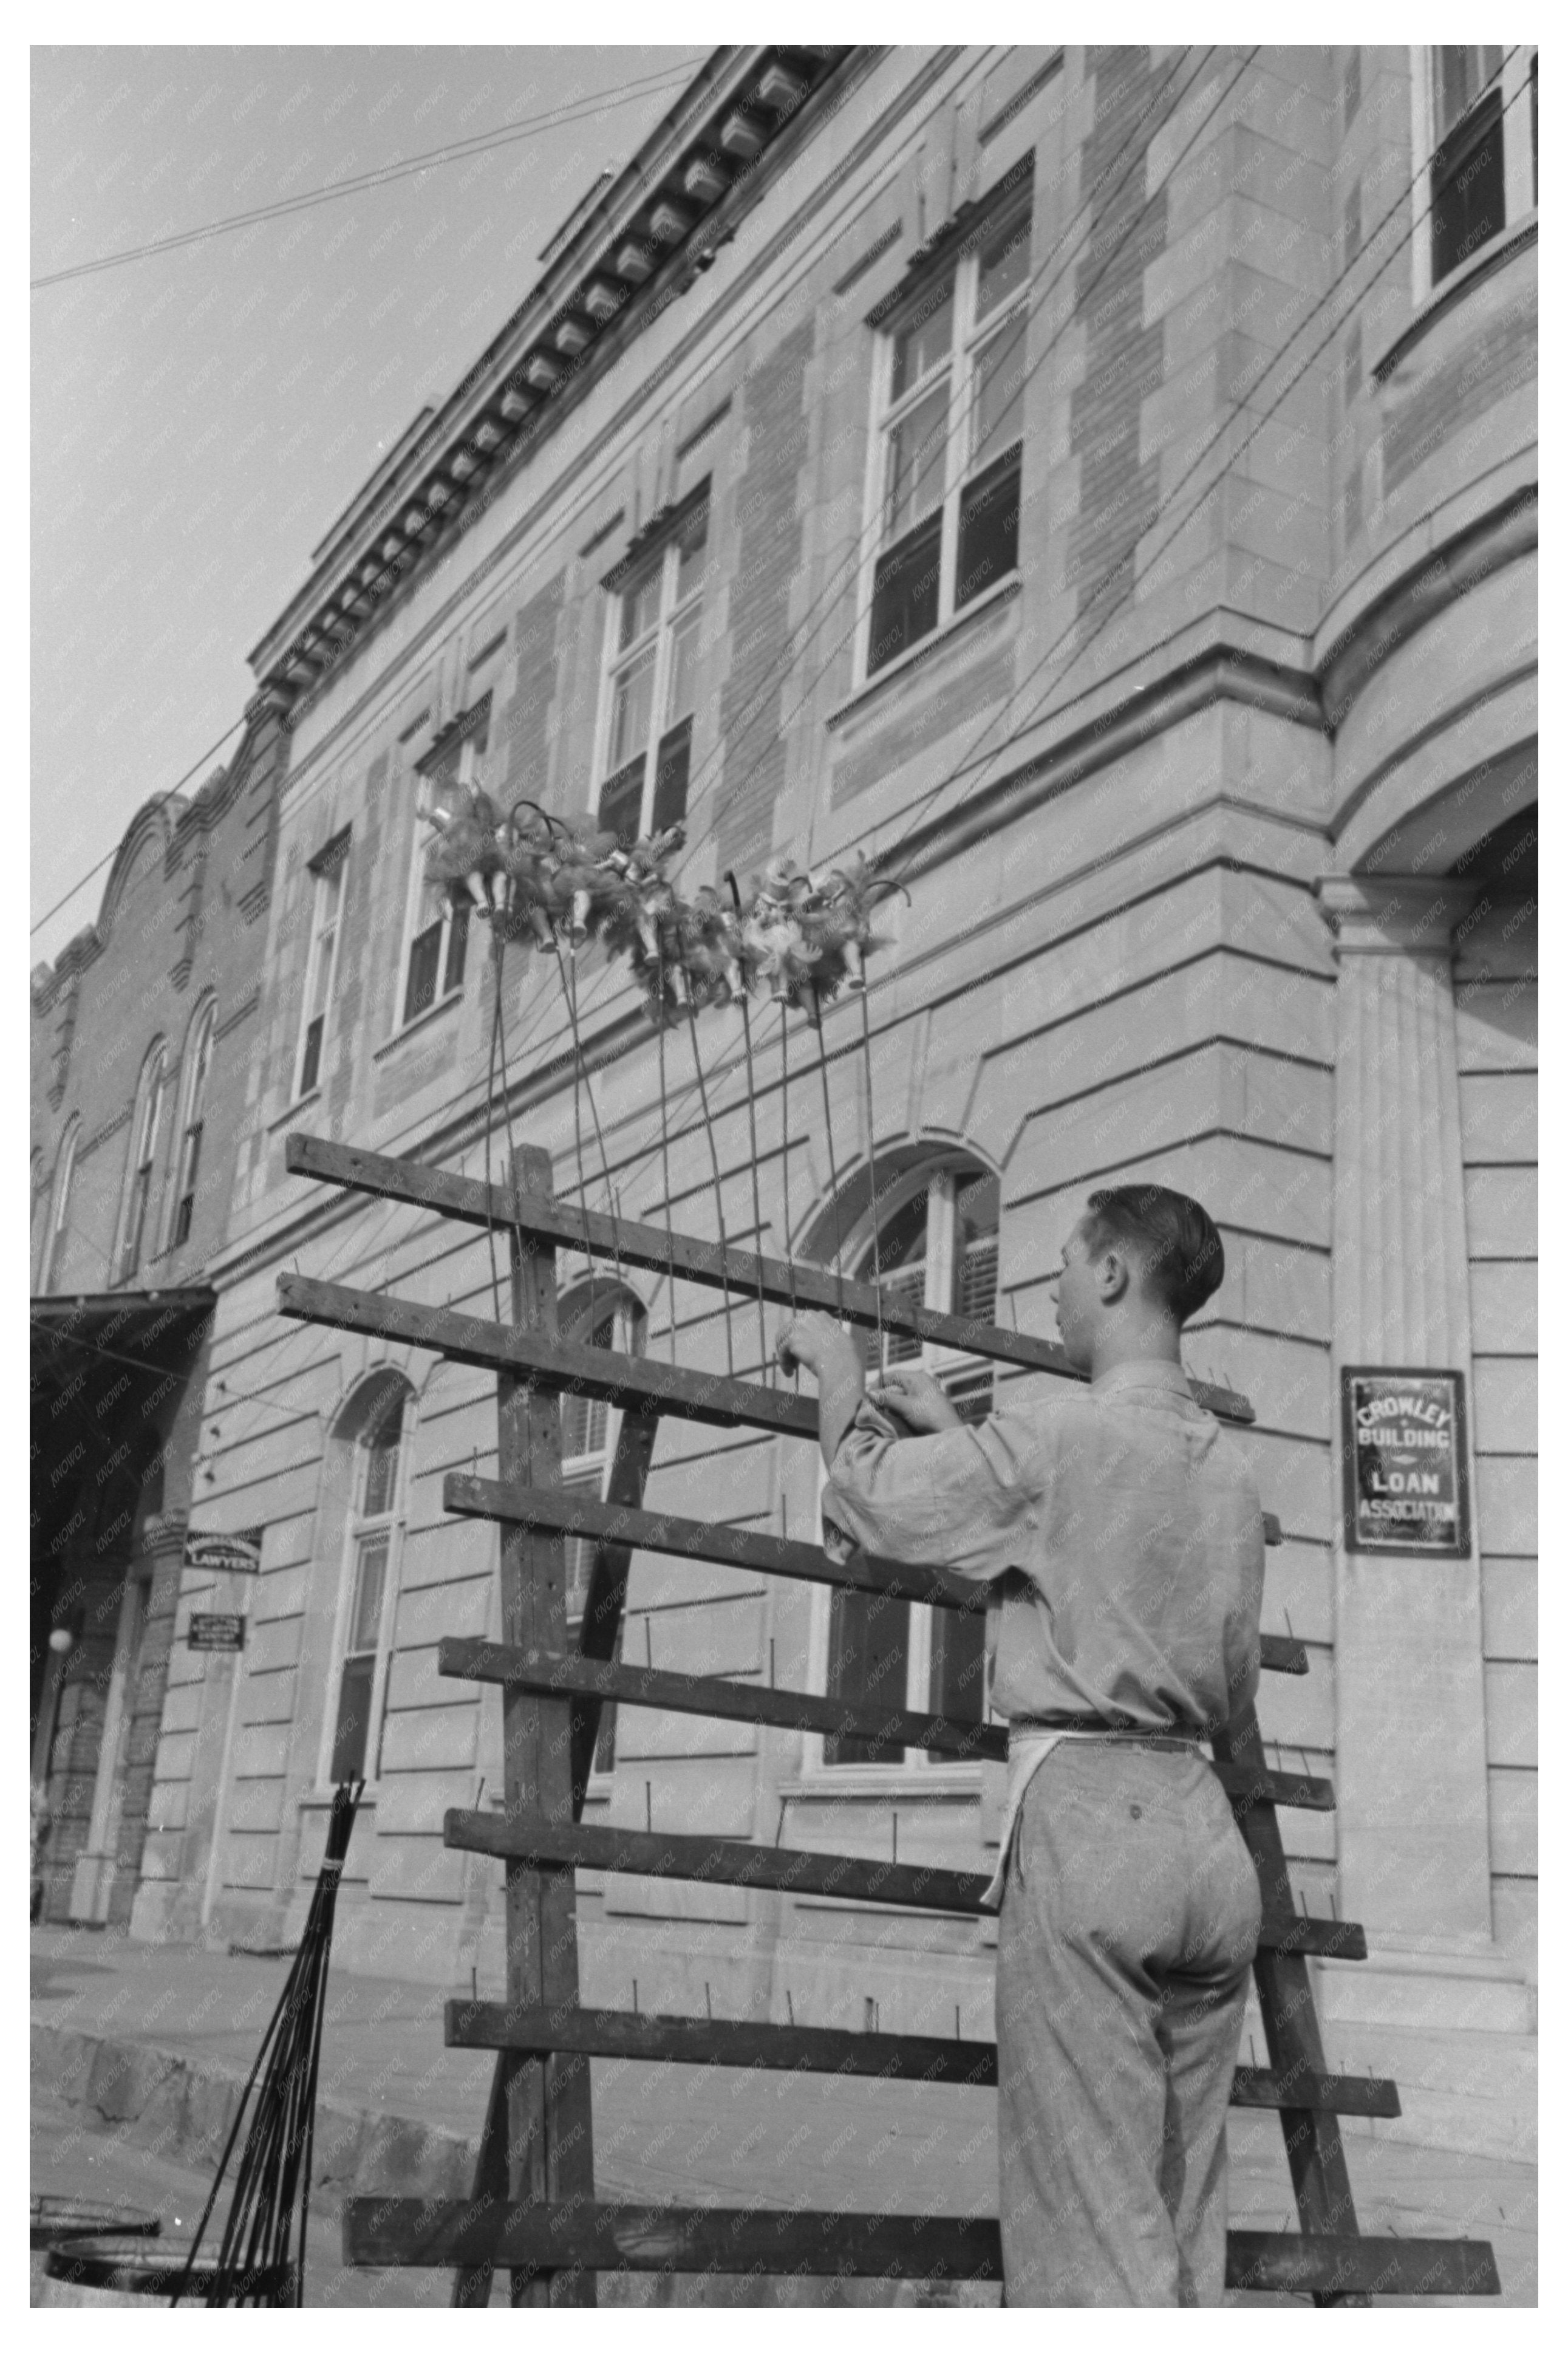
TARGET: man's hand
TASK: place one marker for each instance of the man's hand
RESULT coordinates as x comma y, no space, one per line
816,1342
918,1399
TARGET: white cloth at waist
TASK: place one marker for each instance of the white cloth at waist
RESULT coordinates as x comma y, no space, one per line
1027,1750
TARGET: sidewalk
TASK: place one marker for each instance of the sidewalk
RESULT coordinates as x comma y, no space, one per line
154,2042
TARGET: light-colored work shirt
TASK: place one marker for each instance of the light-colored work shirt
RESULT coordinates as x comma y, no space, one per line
1120,1530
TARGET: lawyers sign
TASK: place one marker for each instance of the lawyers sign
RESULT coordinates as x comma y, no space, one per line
238,1554
1406,1465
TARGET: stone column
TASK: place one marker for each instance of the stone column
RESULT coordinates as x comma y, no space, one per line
1411,1772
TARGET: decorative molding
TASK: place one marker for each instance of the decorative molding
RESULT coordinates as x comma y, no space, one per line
1021,98
972,219
1398,914
869,258
101,1135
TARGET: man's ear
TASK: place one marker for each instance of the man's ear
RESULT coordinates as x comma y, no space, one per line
1112,1276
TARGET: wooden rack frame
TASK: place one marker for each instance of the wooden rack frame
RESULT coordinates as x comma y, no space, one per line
534,2208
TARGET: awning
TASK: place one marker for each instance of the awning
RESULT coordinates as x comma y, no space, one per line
86,1345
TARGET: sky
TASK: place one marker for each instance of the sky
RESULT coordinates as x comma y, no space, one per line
201,417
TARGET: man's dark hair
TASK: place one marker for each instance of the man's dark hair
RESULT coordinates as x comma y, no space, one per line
1168,1236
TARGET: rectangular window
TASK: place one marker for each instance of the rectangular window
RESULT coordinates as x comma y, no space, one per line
949,441
438,935
321,974
650,686
1483,137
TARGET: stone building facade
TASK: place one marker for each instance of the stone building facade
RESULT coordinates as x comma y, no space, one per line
142,1040
1101,485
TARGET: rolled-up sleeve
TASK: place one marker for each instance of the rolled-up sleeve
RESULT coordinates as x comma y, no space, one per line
965,1499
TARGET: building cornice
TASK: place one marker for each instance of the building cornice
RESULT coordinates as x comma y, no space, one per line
636,245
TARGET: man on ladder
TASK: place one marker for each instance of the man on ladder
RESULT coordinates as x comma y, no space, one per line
1121,1534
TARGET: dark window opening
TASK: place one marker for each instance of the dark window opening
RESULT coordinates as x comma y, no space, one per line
958,1662
988,526
904,593
669,777
867,1660
311,1068
423,965
456,948
620,801
1467,187
187,1203
350,1739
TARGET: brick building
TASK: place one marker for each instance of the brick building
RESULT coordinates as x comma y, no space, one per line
141,1042
1102,484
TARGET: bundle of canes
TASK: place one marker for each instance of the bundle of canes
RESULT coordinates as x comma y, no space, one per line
259,2263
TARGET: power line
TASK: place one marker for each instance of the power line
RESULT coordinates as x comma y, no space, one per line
505,134
158,802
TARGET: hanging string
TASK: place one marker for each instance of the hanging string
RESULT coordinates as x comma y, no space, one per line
489,1122
871,1166
664,1146
832,1164
718,1182
756,1179
783,1158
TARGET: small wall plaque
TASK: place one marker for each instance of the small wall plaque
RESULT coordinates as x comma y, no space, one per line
1406,1482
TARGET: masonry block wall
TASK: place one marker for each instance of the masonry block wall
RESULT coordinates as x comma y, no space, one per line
1112,790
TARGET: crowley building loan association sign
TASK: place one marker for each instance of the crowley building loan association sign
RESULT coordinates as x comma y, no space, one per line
1406,1484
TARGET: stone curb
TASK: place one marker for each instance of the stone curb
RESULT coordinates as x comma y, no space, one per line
184,2110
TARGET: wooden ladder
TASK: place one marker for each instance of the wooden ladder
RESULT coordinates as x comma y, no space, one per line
534,2208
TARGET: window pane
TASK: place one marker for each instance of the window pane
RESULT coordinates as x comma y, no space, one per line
631,711
382,1447
424,962
321,981
867,1659
1467,188
620,801
924,340
350,1739
669,777
958,1664
370,1580
999,393
309,1068
917,463
1004,267
904,598
683,666
1458,77
988,529
580,1550
693,546
456,948
639,604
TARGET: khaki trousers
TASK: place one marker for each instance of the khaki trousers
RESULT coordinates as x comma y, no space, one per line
1128,1920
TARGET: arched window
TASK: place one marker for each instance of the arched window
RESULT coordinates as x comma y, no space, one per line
59,1208
373,1425
936,1244
600,1315
146,1121
198,1067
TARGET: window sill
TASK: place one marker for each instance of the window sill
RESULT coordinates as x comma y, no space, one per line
431,1014
285,1117
939,639
1453,290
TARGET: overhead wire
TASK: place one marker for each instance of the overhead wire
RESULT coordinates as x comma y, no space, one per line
504,134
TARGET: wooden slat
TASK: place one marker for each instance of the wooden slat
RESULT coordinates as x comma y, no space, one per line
663,1532
737,1703
799,1871
746,1702
1281,1654
416,2231
636,1384
831,2050
650,1248
1331,2266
